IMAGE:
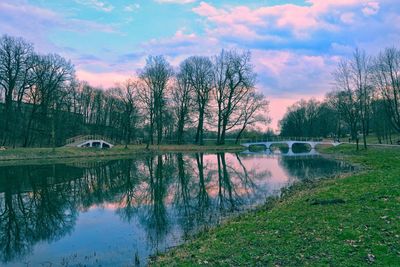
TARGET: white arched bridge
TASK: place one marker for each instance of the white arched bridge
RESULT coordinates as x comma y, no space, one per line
88,141
289,143
289,153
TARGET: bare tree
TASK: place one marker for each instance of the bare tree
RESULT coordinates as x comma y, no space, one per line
146,105
344,99
381,122
182,99
353,99
200,69
52,74
155,75
254,108
234,79
15,65
386,77
361,76
127,95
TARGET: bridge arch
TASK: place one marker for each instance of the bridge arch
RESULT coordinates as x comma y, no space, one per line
302,147
290,143
282,147
261,146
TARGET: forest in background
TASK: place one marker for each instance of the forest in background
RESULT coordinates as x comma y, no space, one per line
365,101
42,103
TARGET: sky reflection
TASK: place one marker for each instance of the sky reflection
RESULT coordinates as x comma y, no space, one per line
107,212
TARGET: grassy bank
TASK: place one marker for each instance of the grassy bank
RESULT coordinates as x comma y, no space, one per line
349,221
35,154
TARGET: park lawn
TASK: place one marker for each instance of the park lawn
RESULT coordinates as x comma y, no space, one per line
30,154
372,139
347,221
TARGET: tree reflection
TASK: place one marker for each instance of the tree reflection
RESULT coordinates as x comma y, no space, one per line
127,208
45,213
310,167
225,187
203,199
248,177
183,198
155,217
163,193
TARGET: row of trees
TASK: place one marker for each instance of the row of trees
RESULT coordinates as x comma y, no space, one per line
43,104
218,92
366,99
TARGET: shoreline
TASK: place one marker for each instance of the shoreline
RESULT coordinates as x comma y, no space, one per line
307,211
23,156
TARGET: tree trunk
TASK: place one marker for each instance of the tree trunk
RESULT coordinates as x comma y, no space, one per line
199,133
240,134
223,132
180,131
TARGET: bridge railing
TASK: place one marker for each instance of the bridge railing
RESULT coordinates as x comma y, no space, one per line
81,138
279,138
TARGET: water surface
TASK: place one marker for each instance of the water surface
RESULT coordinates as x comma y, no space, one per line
109,213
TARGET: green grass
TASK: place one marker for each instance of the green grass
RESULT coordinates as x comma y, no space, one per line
45,154
347,221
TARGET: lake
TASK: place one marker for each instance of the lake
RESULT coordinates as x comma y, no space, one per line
120,212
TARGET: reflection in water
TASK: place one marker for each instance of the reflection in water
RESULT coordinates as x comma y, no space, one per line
107,212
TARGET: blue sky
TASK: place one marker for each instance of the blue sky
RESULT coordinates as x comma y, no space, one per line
295,44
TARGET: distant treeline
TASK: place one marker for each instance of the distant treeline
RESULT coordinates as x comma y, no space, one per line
366,100
42,103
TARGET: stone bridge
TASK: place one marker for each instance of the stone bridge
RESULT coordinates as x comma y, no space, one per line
88,141
289,143
289,153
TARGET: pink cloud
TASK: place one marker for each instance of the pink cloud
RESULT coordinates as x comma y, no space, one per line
321,6
182,45
34,23
271,61
241,20
181,2
347,17
287,64
371,8
228,16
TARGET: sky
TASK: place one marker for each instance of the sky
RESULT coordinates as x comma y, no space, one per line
295,45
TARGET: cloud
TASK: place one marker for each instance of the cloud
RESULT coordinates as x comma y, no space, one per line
283,73
341,49
132,7
371,8
96,4
24,16
288,76
181,2
182,44
300,20
35,24
347,17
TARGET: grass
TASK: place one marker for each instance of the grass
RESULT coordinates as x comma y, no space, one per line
373,139
347,221
46,154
